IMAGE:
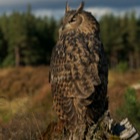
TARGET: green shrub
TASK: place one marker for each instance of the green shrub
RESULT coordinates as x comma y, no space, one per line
122,67
130,108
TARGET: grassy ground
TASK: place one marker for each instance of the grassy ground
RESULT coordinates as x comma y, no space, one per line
26,102
118,83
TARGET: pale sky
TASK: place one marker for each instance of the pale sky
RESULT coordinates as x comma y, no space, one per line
56,7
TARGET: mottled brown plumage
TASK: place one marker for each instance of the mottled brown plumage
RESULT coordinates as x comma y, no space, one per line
79,70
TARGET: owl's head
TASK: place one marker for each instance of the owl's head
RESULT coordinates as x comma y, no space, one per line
78,20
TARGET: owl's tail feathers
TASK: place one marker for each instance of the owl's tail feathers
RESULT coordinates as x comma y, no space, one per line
126,130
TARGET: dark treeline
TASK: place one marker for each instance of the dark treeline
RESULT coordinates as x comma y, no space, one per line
28,40
121,38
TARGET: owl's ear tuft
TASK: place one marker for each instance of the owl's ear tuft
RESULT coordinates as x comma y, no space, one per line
67,9
81,7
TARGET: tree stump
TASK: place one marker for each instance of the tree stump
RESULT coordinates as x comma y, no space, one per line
105,129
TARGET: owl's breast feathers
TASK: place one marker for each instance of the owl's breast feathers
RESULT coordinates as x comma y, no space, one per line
79,78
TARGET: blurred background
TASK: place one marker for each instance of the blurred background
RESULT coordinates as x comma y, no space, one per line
29,31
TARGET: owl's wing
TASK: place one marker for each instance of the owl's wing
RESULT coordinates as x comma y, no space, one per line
87,65
89,72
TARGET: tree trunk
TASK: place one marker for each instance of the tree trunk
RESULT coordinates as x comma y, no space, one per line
131,60
17,56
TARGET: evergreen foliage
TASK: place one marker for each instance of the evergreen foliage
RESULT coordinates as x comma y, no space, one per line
28,40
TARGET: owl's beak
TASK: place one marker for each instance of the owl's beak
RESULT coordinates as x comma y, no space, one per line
63,27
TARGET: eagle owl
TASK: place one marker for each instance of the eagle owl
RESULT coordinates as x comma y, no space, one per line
79,72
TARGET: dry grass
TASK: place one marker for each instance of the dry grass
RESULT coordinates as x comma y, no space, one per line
22,81
23,128
26,102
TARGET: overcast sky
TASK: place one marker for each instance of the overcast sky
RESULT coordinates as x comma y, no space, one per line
56,7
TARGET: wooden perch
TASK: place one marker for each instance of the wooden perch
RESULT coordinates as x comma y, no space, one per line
105,129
